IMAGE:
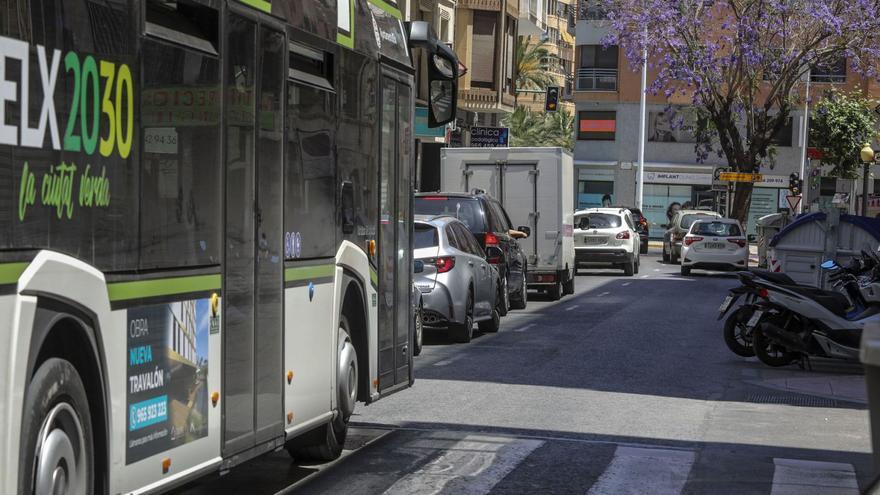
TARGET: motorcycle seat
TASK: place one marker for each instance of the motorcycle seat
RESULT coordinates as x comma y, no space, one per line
774,277
831,300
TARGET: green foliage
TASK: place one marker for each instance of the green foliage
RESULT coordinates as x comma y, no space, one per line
839,126
528,128
530,73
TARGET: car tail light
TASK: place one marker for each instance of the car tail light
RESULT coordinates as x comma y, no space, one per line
545,278
690,239
490,239
444,263
764,293
434,198
739,242
623,235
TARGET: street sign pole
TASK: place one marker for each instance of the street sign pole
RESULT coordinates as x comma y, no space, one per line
640,194
805,133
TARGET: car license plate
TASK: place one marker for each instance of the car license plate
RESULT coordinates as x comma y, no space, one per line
715,245
594,240
725,304
756,317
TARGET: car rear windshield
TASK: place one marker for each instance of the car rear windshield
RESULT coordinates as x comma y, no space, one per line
599,221
468,210
688,220
720,229
425,236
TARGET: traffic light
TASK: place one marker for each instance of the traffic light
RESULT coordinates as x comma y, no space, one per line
551,102
794,184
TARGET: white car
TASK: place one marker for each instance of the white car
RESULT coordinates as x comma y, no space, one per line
715,244
606,237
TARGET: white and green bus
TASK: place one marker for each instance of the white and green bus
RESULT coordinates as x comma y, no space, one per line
205,218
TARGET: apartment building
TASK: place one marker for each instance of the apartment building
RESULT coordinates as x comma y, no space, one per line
559,40
606,96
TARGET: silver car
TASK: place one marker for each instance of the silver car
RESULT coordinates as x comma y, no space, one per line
458,282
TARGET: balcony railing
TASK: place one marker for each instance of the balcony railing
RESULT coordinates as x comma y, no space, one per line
593,79
589,11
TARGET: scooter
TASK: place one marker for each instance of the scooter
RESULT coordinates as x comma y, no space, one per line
784,322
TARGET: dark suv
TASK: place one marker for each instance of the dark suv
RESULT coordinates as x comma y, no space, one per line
641,227
486,219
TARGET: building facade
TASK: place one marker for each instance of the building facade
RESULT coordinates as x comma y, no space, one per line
558,39
606,96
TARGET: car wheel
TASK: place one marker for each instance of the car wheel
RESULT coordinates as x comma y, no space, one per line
491,325
504,302
523,299
568,286
58,454
685,271
665,254
464,332
629,268
555,291
643,249
417,338
673,258
638,263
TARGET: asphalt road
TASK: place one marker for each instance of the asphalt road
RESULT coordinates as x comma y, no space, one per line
624,387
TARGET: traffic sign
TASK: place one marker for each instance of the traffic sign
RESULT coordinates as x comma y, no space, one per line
740,177
793,202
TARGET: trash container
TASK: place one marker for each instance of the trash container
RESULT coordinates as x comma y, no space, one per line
766,227
869,354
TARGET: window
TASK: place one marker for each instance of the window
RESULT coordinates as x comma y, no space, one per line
465,209
831,72
688,220
483,61
599,221
180,173
466,241
783,137
597,126
501,216
425,236
719,229
310,172
451,238
597,69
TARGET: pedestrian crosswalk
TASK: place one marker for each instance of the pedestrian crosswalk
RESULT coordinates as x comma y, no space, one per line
426,462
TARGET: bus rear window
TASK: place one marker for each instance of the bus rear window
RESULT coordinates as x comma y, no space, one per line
468,210
425,236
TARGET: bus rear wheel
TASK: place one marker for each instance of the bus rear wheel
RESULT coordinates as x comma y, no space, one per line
58,454
325,442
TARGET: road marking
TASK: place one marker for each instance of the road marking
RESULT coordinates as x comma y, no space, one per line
603,294
656,269
645,276
626,283
800,477
524,327
448,361
572,307
470,466
645,470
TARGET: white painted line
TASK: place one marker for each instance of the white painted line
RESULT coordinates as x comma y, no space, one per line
800,477
603,294
524,327
470,466
645,276
626,283
656,269
572,307
645,470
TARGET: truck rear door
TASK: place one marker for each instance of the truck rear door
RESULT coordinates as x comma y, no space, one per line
519,197
483,176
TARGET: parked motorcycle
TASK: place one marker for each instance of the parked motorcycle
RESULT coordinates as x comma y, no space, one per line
781,321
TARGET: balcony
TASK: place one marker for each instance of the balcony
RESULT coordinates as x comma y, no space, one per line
493,5
593,79
589,11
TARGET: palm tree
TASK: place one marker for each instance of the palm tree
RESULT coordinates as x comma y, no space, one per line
530,70
528,128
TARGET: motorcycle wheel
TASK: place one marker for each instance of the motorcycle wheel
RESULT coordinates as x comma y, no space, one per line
770,353
737,335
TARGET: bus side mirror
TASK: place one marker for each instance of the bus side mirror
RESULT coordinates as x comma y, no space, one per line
347,197
442,89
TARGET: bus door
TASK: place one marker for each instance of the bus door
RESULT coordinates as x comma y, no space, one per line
255,71
395,222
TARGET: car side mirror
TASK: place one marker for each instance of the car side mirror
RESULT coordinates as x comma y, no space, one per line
494,255
526,230
418,266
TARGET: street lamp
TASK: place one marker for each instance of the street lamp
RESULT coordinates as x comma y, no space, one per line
868,157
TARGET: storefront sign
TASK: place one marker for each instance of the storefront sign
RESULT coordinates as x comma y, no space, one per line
740,177
595,174
773,181
678,178
489,137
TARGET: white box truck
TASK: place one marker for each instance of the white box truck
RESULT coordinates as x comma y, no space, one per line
535,186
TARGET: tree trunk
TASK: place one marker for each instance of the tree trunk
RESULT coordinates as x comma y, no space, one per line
741,202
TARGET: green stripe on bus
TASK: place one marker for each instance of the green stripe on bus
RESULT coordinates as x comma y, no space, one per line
121,291
264,5
394,11
9,272
374,277
308,272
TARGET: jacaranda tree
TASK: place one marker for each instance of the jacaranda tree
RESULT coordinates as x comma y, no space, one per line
742,63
